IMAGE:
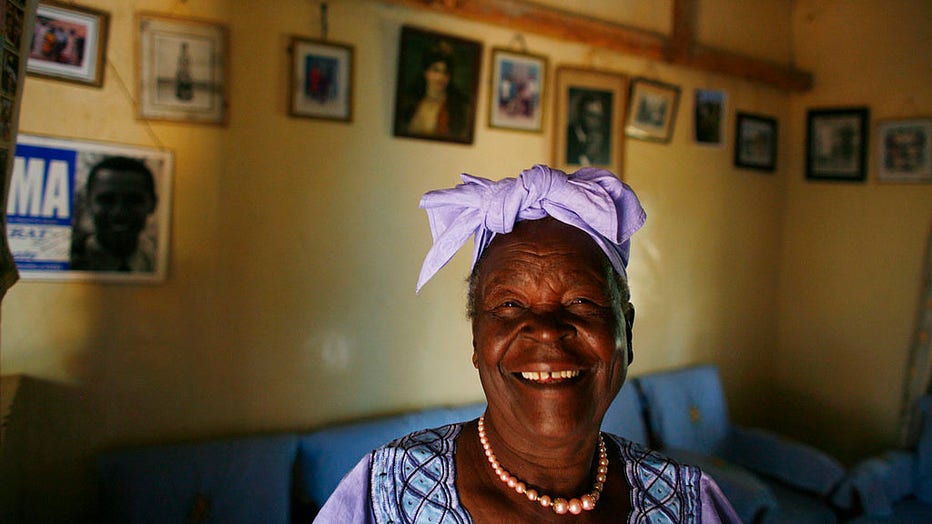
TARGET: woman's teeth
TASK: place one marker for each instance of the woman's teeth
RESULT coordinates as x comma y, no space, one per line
546,376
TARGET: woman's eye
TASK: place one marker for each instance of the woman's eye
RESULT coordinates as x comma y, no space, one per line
510,303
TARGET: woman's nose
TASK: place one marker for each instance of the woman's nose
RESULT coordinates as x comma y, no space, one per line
547,325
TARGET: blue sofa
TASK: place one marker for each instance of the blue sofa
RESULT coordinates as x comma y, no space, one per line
286,477
896,486
768,479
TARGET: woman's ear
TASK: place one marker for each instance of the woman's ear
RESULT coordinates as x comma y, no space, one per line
629,333
475,356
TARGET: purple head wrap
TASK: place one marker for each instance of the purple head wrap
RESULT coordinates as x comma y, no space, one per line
593,200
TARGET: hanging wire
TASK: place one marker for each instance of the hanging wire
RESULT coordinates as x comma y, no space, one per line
323,20
518,41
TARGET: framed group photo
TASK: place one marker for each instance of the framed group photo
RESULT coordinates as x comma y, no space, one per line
69,43
755,142
516,93
652,110
68,231
321,83
588,117
904,151
437,86
182,70
836,144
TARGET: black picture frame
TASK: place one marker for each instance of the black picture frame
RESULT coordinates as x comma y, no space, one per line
451,115
836,144
755,142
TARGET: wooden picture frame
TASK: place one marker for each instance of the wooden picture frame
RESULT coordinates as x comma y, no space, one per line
588,117
431,61
652,110
904,150
516,90
321,79
755,142
182,70
836,144
69,43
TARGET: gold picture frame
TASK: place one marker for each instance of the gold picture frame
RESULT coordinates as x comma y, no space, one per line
182,70
69,43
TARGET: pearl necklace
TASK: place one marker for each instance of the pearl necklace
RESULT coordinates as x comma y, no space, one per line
559,505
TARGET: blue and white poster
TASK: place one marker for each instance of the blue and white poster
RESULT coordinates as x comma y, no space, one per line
80,210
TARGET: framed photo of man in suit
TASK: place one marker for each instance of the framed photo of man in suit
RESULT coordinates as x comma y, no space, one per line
590,108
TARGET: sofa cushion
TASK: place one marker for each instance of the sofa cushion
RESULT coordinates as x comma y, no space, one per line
235,481
749,496
326,455
796,507
686,408
625,417
798,465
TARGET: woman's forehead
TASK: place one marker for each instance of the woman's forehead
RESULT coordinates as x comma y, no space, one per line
546,242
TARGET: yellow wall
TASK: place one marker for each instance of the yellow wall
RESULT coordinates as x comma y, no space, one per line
852,254
296,243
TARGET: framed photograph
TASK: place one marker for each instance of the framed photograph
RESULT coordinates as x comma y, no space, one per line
836,144
904,150
590,109
709,117
103,214
652,110
182,70
69,43
756,142
438,79
321,79
516,93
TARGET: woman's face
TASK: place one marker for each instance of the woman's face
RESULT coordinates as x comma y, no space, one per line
549,343
437,76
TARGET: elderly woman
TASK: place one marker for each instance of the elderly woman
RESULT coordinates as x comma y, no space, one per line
551,322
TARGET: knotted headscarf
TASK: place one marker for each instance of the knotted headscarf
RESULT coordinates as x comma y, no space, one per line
593,200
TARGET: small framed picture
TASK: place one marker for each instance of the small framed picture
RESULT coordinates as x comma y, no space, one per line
709,117
321,79
438,81
182,70
756,142
516,93
836,144
652,110
904,150
69,43
590,109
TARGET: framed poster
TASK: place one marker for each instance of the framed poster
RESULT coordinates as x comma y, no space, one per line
516,92
321,79
437,85
69,43
755,142
836,144
81,210
590,108
182,70
904,150
709,117
652,110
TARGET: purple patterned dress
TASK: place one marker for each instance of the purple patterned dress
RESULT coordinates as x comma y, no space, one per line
413,480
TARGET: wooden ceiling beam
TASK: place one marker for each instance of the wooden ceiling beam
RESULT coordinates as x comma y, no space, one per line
679,49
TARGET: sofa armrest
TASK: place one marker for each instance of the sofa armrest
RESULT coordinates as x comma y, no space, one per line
794,463
875,484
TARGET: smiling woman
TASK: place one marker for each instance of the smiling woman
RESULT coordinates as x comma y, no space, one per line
552,318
